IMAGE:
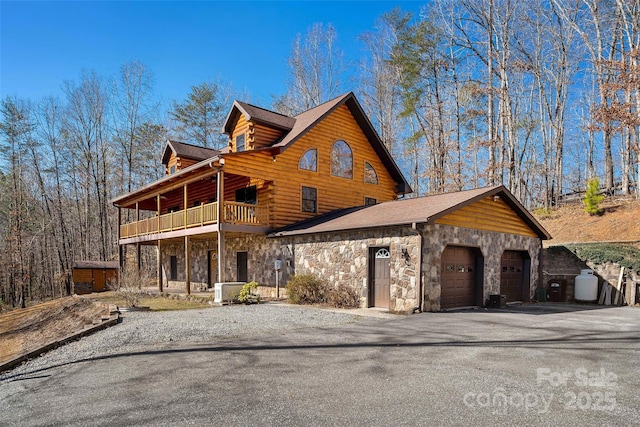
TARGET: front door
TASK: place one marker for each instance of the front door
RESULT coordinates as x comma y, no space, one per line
213,268
241,267
381,277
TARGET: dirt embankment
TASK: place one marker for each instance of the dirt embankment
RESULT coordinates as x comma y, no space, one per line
619,222
25,330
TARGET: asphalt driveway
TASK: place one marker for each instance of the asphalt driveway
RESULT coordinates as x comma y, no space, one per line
541,365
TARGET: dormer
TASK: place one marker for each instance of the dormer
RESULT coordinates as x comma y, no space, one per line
178,155
249,127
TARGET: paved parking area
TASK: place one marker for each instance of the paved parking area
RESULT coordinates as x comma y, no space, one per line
534,365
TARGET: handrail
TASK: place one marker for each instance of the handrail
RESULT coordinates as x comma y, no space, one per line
198,216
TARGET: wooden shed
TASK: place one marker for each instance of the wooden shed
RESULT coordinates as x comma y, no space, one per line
93,276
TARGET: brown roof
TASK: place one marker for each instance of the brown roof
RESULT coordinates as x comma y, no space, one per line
108,265
405,212
258,114
187,151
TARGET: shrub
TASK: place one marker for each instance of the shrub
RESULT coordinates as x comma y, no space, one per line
247,295
592,198
343,296
627,256
306,289
310,289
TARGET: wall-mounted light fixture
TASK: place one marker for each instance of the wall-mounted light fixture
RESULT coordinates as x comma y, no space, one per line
405,255
496,198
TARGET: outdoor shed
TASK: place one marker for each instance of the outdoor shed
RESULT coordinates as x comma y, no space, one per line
93,276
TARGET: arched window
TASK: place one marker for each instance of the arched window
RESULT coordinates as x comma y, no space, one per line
341,160
370,175
309,160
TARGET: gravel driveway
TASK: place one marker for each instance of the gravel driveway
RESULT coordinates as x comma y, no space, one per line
293,366
140,331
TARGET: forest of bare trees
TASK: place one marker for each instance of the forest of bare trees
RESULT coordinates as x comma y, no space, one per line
537,95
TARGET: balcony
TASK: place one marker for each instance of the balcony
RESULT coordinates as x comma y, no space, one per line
198,216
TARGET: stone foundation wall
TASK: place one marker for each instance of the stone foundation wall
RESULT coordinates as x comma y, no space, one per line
199,264
342,258
262,253
491,244
562,266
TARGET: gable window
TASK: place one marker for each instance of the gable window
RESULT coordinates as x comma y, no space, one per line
309,199
368,201
240,143
309,160
370,175
341,160
172,170
247,195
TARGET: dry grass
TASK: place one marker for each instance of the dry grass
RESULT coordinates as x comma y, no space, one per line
25,330
571,224
155,303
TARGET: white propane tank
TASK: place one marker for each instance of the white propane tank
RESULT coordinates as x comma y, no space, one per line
586,286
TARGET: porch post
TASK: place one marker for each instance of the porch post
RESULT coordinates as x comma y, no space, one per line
137,219
187,264
186,206
159,266
158,207
221,257
138,257
120,249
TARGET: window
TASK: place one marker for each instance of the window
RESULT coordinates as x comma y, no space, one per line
309,199
173,270
309,160
172,170
240,143
247,195
368,201
341,160
370,175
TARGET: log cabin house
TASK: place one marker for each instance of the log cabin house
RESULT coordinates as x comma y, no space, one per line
318,193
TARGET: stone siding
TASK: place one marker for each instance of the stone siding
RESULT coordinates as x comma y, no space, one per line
342,258
562,266
491,244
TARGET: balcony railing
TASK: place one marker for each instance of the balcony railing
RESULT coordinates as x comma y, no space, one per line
198,216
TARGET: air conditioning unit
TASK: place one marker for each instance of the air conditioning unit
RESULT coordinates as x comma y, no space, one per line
227,291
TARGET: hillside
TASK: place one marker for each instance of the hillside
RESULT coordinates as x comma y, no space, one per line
620,222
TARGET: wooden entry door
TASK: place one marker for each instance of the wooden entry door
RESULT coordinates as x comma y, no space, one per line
512,275
241,267
99,280
458,278
381,280
213,268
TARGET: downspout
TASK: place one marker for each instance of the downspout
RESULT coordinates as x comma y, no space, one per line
420,307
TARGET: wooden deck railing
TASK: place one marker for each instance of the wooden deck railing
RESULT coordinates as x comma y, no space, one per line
198,216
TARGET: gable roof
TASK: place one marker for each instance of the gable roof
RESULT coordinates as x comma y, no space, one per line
187,151
299,125
406,212
257,114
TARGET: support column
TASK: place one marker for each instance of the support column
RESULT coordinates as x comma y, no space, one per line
186,206
187,264
158,207
138,258
221,255
120,250
159,266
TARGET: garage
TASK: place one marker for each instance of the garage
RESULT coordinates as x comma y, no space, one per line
512,275
458,286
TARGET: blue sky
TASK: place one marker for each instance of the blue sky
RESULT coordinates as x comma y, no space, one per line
183,43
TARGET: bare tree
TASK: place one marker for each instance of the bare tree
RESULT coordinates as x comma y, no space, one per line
315,68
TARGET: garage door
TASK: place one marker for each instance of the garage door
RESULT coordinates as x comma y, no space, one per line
458,278
511,275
